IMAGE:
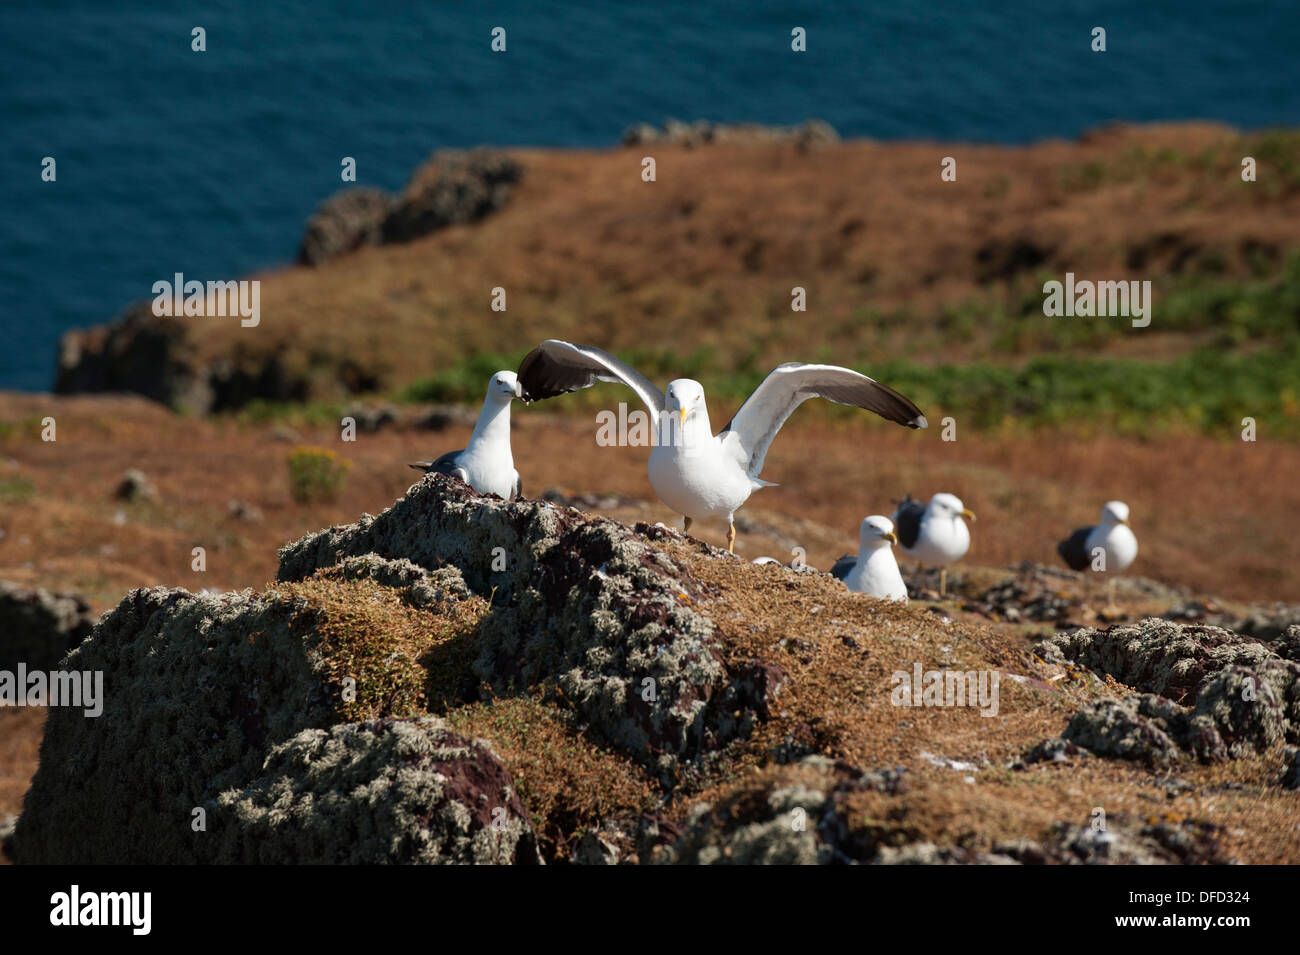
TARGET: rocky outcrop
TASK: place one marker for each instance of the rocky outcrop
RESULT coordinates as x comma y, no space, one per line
801,822
136,353
584,608
155,357
1242,698
392,791
142,354
224,734
1146,728
1158,656
221,740
453,188
38,628
703,133
344,222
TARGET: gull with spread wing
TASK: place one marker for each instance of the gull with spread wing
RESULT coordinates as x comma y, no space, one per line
695,472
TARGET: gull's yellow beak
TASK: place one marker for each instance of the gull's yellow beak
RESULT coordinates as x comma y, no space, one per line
683,417
891,537
1125,523
968,514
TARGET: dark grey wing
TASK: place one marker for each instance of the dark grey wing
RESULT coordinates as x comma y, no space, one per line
446,464
1074,549
907,521
844,566
556,368
749,434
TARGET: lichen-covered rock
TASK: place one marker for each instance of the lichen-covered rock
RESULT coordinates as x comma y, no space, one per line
1272,626
195,689
1249,706
927,853
347,220
785,835
390,791
1246,698
1119,728
228,707
1158,656
803,822
585,607
423,588
38,628
1144,727
1052,750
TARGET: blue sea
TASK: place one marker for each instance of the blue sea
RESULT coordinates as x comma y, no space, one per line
170,160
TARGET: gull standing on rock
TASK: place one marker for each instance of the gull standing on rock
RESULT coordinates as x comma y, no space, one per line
1112,535
935,534
486,463
697,473
874,571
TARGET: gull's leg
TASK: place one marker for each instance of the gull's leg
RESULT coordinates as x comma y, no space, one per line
943,580
731,535
686,528
1113,605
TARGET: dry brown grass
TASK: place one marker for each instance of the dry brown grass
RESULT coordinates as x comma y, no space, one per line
707,255
1217,517
838,701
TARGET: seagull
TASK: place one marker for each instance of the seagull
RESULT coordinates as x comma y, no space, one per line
1113,536
695,472
486,464
936,533
874,571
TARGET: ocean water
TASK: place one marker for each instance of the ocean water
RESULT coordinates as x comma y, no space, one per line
209,163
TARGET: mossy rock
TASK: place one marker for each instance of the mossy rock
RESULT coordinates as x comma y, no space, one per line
390,791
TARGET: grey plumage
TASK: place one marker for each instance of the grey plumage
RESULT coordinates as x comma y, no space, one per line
448,464
844,566
907,520
1074,549
556,368
791,384
445,464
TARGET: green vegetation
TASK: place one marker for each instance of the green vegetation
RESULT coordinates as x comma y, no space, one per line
1208,390
316,474
1277,152
15,490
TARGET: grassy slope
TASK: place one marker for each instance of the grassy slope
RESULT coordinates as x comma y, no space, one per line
697,268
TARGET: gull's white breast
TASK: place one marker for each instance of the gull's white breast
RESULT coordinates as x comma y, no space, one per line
1118,541
698,479
941,540
877,576
490,470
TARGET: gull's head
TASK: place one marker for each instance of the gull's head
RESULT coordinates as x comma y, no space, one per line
504,386
876,531
950,505
1115,512
685,397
